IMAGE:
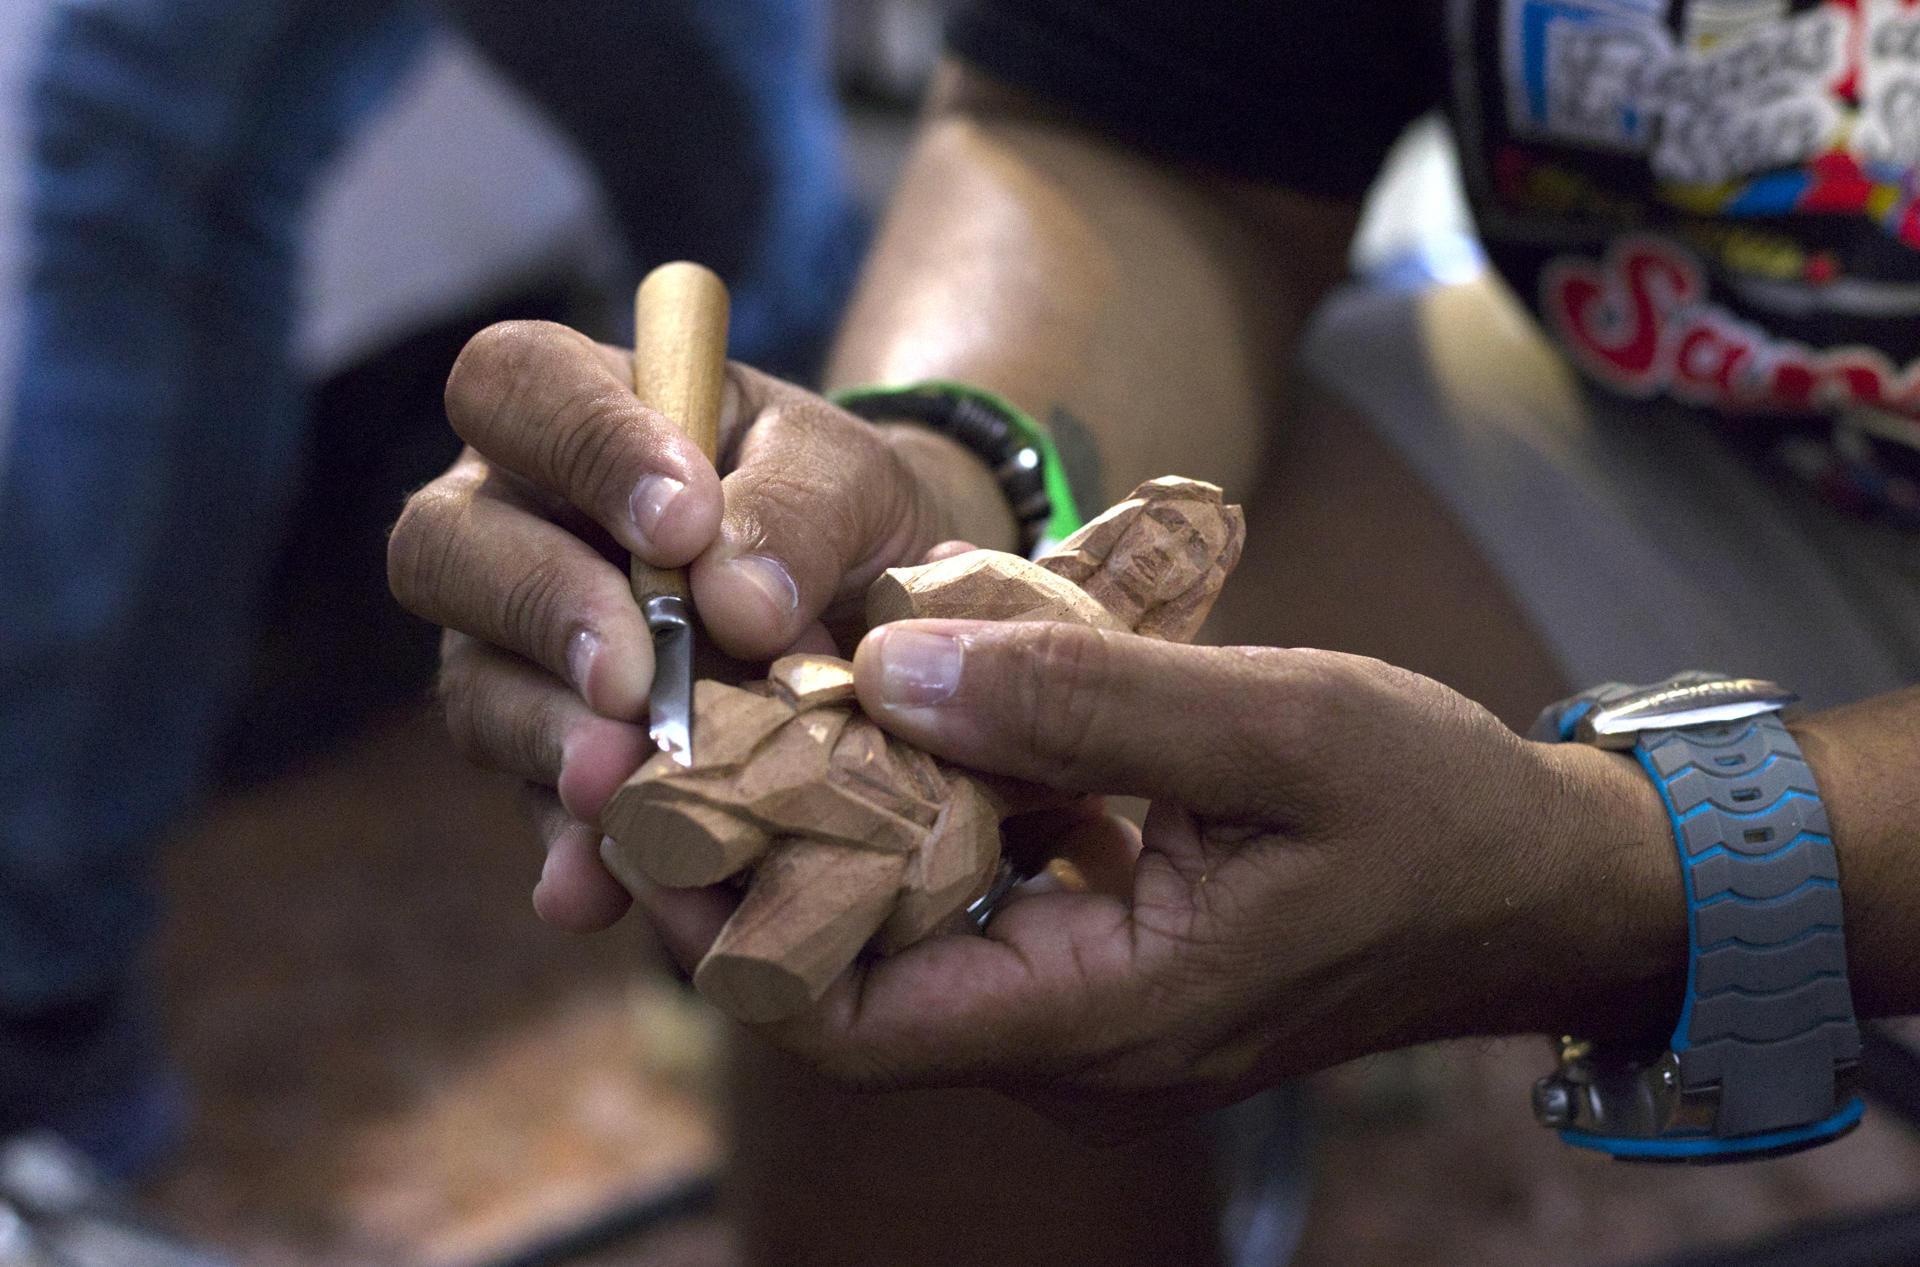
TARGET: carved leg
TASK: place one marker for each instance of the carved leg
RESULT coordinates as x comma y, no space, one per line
809,910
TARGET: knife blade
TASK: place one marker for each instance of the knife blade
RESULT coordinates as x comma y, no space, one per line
679,370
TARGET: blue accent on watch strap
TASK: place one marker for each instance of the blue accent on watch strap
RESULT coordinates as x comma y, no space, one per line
1778,1015
1763,1056
1695,1147
1571,718
1679,1040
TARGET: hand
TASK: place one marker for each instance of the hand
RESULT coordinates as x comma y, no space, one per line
519,549
1341,857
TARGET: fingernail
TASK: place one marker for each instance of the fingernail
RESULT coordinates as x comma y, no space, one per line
582,649
918,669
770,577
649,501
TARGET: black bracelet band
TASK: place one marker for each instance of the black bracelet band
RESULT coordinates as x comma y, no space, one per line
1012,445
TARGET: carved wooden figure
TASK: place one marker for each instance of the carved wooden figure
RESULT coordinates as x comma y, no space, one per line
851,836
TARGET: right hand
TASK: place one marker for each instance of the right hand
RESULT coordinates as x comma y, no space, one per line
1341,857
519,550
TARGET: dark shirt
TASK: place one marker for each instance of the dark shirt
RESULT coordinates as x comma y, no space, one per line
1717,202
1223,84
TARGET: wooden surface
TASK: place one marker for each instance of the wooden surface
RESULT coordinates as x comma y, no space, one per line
1157,560
956,863
849,833
687,840
679,369
983,585
809,909
811,681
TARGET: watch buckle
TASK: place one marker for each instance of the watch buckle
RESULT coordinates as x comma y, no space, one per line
1631,1095
1688,699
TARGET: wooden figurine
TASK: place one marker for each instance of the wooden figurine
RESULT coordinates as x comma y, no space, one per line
984,585
851,836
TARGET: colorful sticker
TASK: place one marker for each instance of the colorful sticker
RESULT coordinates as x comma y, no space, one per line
1641,320
1575,67
1888,131
1608,74
1674,182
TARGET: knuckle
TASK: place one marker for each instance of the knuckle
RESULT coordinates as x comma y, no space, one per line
494,722
1067,694
796,507
830,468
1292,707
1291,703
902,524
1270,722
456,690
854,1072
420,547
1319,689
533,611
487,369
502,395
586,446
741,395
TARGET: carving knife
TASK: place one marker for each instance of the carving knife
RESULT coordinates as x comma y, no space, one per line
679,369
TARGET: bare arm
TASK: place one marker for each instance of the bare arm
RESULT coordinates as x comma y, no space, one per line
1866,758
1155,305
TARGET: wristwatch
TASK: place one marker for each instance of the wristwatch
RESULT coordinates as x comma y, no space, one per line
1765,1056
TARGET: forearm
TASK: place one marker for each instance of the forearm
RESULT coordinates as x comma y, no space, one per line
1866,759
1156,307
1612,920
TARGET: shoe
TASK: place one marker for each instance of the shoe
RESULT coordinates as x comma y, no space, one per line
57,1211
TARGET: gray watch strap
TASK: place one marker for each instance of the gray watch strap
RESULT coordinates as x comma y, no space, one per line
1768,1013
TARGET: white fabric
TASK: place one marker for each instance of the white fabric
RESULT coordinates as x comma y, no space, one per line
459,189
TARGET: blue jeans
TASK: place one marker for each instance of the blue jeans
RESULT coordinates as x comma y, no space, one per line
159,422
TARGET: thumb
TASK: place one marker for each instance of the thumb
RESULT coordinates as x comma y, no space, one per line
1086,710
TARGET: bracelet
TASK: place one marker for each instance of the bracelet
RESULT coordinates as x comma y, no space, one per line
1015,448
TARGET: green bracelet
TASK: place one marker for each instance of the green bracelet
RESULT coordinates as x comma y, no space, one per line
1018,450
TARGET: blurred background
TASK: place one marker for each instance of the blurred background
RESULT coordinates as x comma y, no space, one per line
388,1059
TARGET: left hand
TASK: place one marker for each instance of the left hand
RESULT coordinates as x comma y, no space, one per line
519,549
1341,857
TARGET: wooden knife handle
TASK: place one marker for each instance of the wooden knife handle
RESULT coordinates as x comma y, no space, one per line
679,369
